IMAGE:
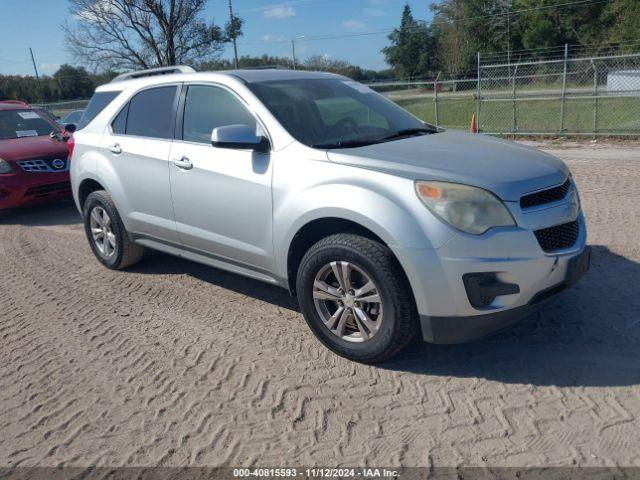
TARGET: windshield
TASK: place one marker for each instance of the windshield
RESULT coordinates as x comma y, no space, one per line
23,123
336,113
72,117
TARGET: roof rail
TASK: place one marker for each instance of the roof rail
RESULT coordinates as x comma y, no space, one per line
266,67
152,72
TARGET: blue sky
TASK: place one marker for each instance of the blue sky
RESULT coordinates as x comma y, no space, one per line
268,26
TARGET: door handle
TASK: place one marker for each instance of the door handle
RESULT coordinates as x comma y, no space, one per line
115,149
183,163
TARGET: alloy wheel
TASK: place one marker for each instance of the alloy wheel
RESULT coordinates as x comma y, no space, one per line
348,301
102,231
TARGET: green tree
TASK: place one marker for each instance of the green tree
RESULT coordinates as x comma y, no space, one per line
623,18
537,27
412,49
73,82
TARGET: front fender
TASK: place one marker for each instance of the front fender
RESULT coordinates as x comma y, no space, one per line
393,213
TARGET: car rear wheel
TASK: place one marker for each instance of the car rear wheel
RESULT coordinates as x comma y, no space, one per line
356,298
106,233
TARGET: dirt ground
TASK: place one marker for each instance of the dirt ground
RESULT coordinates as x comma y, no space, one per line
173,363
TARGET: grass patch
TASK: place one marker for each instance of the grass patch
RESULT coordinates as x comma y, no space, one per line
614,114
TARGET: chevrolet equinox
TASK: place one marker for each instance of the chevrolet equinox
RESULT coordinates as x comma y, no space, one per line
381,225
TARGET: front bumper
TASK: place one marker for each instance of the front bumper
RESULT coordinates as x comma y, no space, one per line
24,188
512,255
448,330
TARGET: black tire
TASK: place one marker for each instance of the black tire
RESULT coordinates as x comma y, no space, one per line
400,321
126,253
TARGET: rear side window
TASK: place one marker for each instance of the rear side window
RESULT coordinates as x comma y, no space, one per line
207,108
151,113
98,102
119,124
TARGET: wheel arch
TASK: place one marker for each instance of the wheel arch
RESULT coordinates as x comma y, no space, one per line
314,231
86,187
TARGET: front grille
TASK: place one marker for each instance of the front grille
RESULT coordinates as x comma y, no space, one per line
51,189
45,165
545,196
558,237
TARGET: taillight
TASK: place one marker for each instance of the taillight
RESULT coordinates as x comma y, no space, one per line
71,143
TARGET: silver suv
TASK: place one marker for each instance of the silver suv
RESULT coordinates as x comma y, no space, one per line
382,225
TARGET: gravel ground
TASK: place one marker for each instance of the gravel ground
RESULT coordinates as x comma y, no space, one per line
173,363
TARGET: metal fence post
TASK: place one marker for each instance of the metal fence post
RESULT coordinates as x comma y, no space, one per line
435,92
514,122
595,99
478,97
564,87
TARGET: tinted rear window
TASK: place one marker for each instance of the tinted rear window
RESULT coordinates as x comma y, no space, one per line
152,112
98,102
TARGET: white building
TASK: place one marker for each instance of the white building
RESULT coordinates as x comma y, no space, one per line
623,80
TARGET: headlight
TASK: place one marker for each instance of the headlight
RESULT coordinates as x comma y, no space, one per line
470,209
5,167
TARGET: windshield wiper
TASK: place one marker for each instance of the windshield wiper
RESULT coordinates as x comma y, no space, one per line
407,132
345,144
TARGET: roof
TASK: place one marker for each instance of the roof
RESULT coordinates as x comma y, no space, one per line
13,105
273,74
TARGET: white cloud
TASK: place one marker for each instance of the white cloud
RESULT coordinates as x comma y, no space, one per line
269,7
374,12
96,11
353,24
280,11
49,67
269,37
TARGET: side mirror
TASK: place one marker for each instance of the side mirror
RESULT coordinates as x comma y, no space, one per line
241,137
70,127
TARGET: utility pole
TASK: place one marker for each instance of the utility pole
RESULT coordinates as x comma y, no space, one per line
293,52
233,38
293,49
509,35
37,76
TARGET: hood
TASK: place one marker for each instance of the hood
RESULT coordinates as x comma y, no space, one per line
505,168
27,148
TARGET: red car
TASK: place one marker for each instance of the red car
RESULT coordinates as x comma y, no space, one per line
34,156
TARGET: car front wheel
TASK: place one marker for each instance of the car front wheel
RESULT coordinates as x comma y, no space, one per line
356,298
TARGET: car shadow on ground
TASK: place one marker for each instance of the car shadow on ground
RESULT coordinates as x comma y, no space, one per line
158,263
61,212
588,337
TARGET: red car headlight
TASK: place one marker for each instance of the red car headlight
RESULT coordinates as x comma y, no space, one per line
5,167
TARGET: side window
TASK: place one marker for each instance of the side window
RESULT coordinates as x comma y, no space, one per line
119,124
206,108
151,113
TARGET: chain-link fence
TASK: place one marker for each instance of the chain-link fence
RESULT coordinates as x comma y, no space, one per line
60,109
447,103
567,96
574,96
